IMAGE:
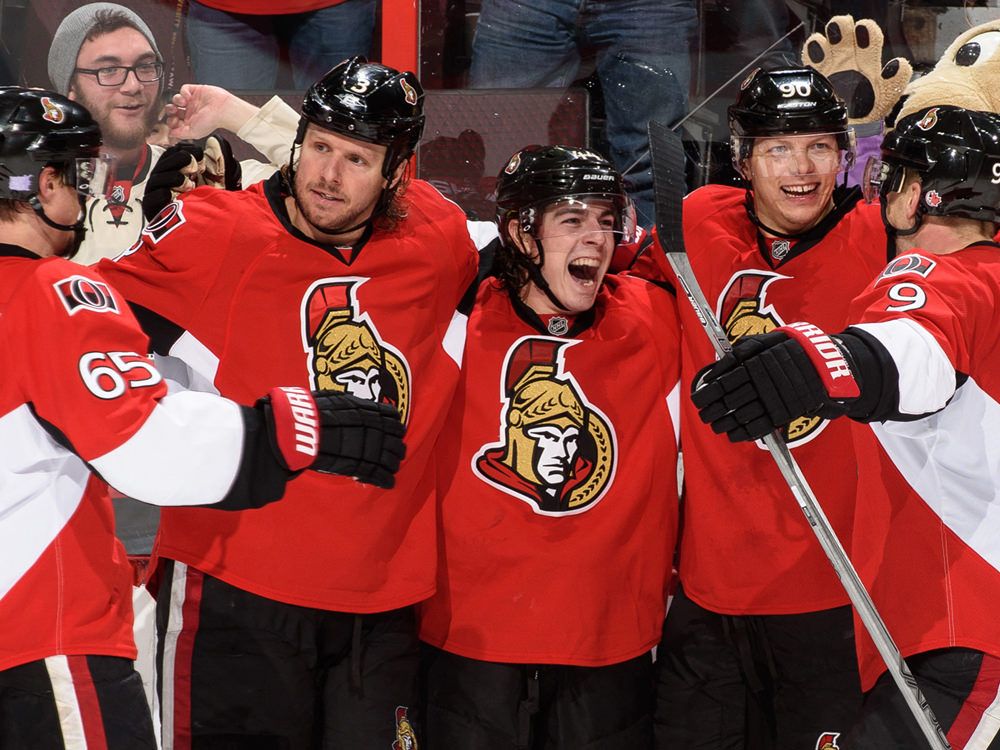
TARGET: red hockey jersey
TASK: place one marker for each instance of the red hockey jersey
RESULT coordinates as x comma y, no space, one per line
746,548
928,519
245,300
78,392
559,484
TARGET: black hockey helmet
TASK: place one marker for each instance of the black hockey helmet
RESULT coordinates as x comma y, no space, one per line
370,102
539,175
41,128
956,153
790,101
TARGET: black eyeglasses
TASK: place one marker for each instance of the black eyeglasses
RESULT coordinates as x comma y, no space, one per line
115,75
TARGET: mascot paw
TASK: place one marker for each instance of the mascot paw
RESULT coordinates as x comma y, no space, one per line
850,56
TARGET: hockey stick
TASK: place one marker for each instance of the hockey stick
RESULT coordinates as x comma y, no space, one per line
667,157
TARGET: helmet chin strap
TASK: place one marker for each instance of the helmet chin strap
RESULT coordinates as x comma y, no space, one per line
78,228
538,278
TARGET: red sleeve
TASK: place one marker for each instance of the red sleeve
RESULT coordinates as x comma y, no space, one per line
175,261
935,292
83,357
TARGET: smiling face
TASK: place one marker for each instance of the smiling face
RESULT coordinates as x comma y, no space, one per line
338,182
126,113
793,178
577,239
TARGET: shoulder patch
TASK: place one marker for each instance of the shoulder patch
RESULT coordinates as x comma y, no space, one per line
908,264
81,293
169,218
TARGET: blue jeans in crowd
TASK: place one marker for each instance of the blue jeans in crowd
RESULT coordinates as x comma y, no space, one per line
240,51
642,62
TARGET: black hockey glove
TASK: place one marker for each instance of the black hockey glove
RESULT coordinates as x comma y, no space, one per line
335,433
771,379
188,165
175,172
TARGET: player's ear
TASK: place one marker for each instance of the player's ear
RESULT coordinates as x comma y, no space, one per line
49,180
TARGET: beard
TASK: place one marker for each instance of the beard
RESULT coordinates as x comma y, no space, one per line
121,138
350,220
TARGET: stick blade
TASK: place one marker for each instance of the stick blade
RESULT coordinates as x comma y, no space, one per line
666,152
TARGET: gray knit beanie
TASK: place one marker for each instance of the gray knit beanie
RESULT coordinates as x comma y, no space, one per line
72,32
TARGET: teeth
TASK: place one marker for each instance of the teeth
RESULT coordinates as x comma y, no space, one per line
799,189
591,262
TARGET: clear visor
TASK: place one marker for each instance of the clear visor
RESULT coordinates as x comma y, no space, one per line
584,215
879,178
807,154
94,175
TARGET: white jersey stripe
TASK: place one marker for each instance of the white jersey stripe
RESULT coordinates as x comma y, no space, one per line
926,376
988,727
175,625
41,485
190,363
67,705
454,337
951,460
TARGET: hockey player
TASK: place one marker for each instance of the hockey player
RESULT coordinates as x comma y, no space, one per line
290,625
757,648
81,405
919,373
104,56
559,500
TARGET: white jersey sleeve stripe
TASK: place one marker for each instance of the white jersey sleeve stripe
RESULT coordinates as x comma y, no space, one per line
454,337
926,376
187,452
198,362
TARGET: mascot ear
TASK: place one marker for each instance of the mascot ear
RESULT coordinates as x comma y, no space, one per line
965,76
849,54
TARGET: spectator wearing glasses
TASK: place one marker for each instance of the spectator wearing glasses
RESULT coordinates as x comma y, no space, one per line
105,57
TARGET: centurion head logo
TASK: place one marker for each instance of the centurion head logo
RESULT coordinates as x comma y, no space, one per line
743,310
557,452
346,353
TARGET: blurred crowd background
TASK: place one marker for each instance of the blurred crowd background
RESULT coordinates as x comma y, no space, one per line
501,74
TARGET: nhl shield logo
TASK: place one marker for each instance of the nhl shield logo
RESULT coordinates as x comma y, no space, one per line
557,451
513,164
780,248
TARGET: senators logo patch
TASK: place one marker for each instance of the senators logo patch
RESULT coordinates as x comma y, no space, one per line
345,351
169,219
409,93
828,741
80,293
929,120
909,264
52,112
406,738
743,310
557,452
